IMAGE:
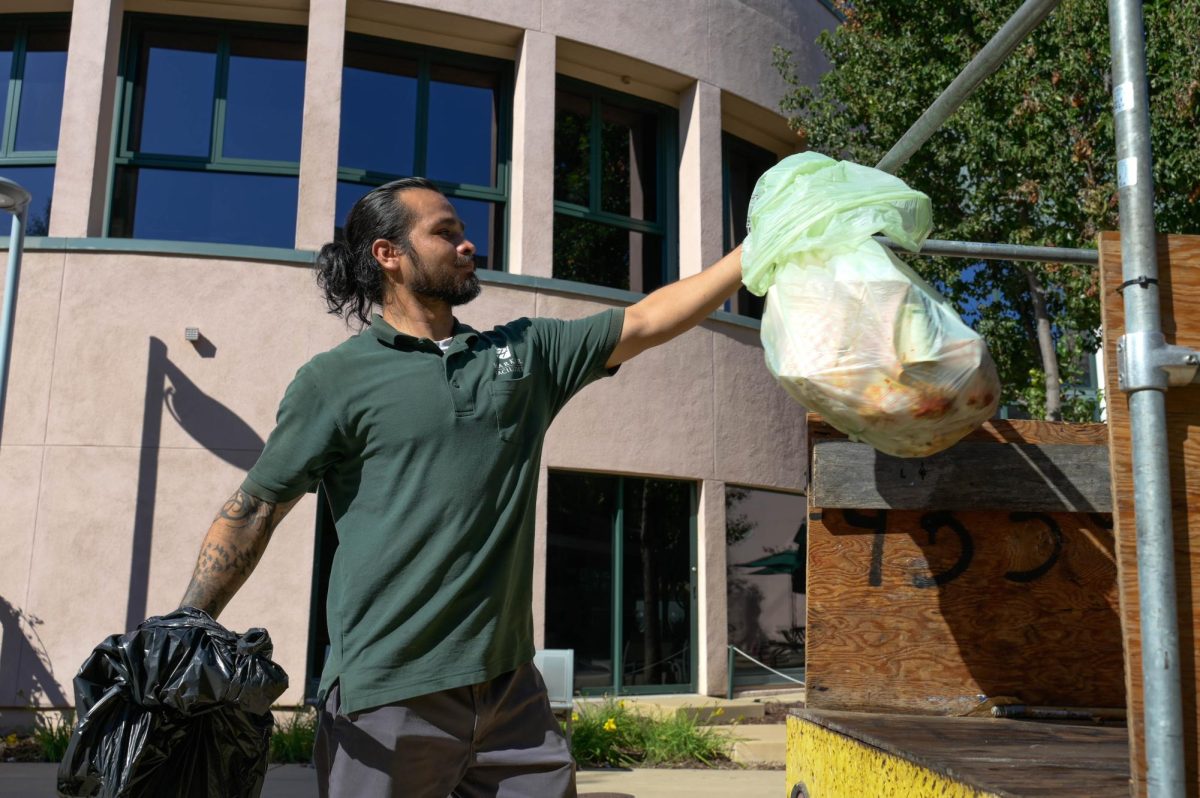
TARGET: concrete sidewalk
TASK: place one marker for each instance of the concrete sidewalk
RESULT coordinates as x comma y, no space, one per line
297,781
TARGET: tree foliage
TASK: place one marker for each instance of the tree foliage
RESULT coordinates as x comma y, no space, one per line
1028,159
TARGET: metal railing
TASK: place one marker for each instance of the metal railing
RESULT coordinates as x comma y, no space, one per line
734,650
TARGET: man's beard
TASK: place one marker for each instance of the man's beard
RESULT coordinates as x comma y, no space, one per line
446,285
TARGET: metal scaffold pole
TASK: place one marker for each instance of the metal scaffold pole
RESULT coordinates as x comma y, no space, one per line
1146,383
983,251
989,59
1147,365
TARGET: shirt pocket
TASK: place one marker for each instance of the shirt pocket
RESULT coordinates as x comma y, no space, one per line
510,403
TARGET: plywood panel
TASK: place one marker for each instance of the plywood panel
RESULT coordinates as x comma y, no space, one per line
933,612
1179,285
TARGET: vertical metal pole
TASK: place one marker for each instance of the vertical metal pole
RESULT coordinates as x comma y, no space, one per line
1163,706
729,692
15,242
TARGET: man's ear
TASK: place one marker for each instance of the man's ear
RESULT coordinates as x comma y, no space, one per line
387,255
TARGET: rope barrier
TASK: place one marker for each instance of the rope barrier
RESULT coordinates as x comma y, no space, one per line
761,665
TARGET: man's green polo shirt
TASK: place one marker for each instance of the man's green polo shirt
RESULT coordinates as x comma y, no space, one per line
430,463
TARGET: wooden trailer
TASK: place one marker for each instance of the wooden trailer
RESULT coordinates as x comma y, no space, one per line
999,573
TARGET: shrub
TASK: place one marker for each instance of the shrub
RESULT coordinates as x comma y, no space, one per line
292,740
52,736
678,739
609,734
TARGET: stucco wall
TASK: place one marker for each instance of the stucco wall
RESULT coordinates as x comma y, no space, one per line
117,452
121,440
724,42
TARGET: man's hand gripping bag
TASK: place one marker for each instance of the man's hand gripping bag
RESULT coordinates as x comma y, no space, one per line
849,330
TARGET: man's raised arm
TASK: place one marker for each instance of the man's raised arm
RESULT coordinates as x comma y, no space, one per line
233,546
676,308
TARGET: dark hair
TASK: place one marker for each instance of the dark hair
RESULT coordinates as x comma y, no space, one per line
346,270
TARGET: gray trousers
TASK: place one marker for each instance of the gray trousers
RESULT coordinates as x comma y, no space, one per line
496,739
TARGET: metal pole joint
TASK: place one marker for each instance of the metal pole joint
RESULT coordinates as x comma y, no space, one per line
1146,362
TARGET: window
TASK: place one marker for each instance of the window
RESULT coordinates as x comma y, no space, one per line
619,591
416,111
209,144
742,165
614,188
766,539
33,54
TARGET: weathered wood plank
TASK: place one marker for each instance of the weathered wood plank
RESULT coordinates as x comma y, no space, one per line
968,476
1001,757
1179,286
999,430
934,612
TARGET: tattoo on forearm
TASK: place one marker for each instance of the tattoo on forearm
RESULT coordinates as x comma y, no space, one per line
231,549
243,510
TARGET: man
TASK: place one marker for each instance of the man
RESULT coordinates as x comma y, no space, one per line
427,437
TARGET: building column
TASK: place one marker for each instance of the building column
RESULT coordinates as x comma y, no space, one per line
701,237
531,213
711,623
85,131
317,205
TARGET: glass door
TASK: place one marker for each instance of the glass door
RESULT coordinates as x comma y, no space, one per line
620,586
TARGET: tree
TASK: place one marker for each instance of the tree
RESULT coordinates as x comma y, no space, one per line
1029,159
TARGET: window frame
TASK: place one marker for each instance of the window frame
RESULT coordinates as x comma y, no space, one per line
426,57
742,300
22,25
135,27
617,587
666,171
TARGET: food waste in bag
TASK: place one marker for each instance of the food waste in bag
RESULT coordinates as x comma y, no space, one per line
850,330
178,707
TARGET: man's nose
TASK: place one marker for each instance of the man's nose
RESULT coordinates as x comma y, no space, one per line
466,247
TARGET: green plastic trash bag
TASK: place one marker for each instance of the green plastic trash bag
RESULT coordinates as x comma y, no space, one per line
849,330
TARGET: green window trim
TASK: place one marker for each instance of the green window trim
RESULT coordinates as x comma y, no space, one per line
21,25
136,25
304,258
731,146
666,225
617,592
426,57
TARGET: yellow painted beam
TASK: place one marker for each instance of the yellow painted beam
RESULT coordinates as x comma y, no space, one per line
832,765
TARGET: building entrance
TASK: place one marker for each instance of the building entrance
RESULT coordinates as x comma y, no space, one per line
620,581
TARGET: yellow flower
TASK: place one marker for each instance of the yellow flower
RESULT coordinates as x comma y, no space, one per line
575,717
610,725
621,704
11,739
719,712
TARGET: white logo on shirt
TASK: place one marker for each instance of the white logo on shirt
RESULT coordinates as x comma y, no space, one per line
507,362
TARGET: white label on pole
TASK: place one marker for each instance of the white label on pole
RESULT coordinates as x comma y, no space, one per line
1127,172
1123,97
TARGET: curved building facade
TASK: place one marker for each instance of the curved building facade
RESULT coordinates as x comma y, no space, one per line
187,159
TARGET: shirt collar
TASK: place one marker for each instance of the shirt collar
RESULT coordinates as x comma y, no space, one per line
392,337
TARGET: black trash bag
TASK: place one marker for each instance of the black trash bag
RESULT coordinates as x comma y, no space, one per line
179,707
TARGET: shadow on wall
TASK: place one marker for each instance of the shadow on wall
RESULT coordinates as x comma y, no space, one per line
210,423
24,664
